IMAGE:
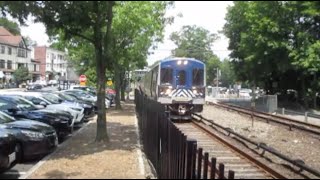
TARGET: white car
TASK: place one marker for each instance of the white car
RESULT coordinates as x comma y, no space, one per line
86,96
47,100
245,93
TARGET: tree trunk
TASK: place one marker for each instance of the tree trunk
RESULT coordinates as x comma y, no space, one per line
123,86
118,87
303,93
315,92
102,54
101,93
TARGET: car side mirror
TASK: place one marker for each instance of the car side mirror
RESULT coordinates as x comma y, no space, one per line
43,103
60,101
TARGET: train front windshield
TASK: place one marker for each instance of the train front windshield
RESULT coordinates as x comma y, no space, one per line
181,78
166,76
198,77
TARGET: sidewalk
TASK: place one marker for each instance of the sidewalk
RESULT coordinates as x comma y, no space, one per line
81,157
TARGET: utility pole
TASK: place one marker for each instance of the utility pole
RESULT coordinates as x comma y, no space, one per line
217,78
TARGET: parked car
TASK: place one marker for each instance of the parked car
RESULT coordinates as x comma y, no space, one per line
86,96
79,98
53,82
34,87
7,151
34,139
21,108
246,93
48,101
89,109
91,90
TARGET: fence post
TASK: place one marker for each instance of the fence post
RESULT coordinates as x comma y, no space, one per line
189,158
283,111
306,116
221,171
199,167
205,165
231,175
183,156
194,160
213,168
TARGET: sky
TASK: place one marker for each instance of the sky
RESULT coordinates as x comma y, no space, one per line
207,14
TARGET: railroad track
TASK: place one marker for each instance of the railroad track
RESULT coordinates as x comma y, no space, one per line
270,118
244,165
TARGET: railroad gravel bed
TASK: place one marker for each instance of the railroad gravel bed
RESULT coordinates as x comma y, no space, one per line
295,144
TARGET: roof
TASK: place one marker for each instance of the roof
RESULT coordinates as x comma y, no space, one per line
174,59
7,38
4,32
11,40
179,59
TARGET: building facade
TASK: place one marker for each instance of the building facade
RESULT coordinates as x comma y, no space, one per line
53,62
14,53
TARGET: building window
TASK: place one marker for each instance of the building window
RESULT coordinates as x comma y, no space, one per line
3,49
21,53
34,67
2,64
20,65
9,65
9,50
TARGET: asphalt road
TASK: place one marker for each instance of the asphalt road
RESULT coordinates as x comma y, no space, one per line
21,169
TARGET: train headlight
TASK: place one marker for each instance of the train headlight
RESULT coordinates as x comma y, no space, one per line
165,91
195,91
185,62
168,91
179,62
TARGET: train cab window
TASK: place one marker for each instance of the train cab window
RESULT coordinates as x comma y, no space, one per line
197,77
166,76
181,78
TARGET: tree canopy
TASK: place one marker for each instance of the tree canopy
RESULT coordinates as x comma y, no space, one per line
276,43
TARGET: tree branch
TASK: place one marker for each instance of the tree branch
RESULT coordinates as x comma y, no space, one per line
81,36
109,25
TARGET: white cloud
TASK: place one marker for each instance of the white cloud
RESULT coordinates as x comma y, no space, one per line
36,31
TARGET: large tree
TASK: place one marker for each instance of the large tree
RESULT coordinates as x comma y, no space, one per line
88,20
276,44
133,36
193,41
196,42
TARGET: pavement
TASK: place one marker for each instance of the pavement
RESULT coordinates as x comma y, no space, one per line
22,169
83,158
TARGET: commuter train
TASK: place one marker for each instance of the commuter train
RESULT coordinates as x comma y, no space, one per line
178,83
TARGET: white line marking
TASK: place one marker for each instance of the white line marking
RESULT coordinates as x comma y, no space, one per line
14,173
140,159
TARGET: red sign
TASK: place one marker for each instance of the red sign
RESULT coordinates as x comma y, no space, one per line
83,78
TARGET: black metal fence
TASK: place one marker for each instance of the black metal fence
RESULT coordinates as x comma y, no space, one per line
172,154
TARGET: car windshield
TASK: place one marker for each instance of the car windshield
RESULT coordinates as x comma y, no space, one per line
4,118
67,97
51,98
25,104
16,102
